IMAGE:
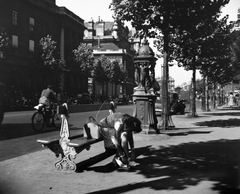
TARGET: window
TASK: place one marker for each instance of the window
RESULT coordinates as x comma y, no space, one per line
14,18
31,45
15,41
31,23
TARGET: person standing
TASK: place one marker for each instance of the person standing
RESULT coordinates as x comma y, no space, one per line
113,107
230,99
236,99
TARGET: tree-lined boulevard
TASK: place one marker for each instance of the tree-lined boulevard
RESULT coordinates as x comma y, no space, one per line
204,160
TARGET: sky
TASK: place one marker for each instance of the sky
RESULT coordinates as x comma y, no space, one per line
87,9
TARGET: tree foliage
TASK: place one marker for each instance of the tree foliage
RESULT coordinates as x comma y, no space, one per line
102,70
170,19
48,48
207,49
106,71
179,27
4,39
170,15
84,59
49,54
235,49
199,86
118,73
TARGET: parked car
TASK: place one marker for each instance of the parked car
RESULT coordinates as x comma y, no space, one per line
122,99
84,99
178,107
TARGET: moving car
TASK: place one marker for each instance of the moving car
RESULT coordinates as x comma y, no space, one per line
122,99
84,99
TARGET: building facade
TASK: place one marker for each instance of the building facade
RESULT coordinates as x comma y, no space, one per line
111,39
25,23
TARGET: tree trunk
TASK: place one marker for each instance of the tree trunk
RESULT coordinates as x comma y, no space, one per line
112,84
166,122
204,94
116,89
107,93
103,91
214,96
207,95
219,95
222,96
194,114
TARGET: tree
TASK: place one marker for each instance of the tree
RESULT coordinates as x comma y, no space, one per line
4,39
50,58
102,71
118,74
235,49
170,18
215,54
83,56
205,46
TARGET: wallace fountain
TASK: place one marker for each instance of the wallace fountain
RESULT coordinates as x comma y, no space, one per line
144,96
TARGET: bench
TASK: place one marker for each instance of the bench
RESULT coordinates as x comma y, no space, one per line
69,146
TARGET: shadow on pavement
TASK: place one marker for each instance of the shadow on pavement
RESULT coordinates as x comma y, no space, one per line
189,132
16,130
228,123
228,108
85,165
187,117
190,164
183,131
106,168
223,113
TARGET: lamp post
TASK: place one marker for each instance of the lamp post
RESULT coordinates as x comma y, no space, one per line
144,97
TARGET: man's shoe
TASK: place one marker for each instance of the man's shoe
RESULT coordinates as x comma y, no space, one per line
132,163
117,162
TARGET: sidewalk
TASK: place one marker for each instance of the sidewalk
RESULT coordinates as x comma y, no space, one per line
204,161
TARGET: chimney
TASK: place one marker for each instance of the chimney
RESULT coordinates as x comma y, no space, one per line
115,30
100,27
90,28
238,15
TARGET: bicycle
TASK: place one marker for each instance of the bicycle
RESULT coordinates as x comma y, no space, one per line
39,118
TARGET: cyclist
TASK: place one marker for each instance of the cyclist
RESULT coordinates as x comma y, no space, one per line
48,97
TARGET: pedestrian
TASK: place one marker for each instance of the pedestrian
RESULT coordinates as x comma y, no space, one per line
117,129
117,132
236,99
230,99
113,106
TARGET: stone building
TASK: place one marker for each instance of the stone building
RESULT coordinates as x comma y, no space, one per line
112,40
25,23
